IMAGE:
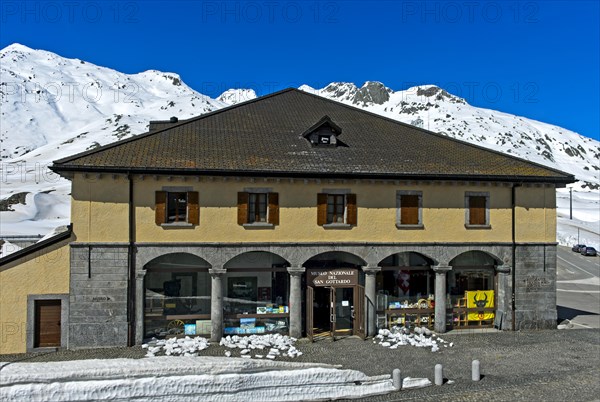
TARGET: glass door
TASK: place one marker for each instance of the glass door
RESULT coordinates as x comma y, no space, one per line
342,304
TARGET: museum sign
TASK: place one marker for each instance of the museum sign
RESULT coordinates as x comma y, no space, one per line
337,277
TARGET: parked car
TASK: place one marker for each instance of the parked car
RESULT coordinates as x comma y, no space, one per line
577,248
591,251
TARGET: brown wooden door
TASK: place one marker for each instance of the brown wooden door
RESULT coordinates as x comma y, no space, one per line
359,312
47,323
332,316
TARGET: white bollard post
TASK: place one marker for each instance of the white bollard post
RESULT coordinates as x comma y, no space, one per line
475,373
439,375
397,379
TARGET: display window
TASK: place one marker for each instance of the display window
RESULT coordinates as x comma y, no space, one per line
177,297
257,301
472,290
405,291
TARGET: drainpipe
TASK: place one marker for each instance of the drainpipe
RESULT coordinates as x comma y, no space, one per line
514,253
131,266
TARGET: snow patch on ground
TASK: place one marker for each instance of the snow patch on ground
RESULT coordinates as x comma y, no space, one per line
187,378
401,336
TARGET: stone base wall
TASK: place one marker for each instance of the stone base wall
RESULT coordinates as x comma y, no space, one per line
98,289
98,296
535,287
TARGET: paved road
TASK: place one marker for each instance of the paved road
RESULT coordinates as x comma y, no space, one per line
548,365
578,288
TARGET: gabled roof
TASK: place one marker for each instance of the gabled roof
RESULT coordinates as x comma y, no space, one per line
264,137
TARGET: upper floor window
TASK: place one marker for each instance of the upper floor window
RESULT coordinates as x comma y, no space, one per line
409,209
255,208
176,207
336,209
477,209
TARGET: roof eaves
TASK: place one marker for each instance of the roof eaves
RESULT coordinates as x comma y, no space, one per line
342,175
37,246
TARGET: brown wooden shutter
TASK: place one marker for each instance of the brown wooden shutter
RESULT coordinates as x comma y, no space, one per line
409,209
193,216
352,211
477,210
242,204
160,211
274,208
321,209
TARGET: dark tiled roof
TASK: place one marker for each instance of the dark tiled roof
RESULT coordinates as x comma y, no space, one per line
264,137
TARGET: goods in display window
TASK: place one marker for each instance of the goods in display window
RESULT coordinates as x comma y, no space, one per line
256,303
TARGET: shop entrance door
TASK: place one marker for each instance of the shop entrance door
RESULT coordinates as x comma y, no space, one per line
334,312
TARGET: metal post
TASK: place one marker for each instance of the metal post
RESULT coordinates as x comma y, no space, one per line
571,203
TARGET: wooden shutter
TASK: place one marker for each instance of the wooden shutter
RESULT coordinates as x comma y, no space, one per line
409,209
193,212
242,204
160,207
321,209
274,208
351,211
477,210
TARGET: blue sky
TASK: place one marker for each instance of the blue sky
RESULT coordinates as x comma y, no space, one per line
538,59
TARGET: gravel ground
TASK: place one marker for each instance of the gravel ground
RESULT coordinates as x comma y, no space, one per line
548,365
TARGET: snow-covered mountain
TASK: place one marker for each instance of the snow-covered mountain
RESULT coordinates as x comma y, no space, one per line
52,107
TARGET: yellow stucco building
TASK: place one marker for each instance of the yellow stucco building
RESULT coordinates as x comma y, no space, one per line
295,214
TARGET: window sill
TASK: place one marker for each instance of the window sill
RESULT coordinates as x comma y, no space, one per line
477,226
258,225
176,225
337,226
410,227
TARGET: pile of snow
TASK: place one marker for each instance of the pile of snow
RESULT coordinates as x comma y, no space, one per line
275,343
187,379
176,346
402,336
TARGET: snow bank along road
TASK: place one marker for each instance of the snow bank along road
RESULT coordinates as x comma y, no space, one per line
185,379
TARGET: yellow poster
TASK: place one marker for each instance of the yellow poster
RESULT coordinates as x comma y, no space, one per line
480,299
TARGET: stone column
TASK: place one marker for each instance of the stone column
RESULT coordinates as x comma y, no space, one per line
371,299
139,306
296,300
504,296
440,297
216,303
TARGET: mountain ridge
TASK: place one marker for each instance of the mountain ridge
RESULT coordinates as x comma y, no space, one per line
87,106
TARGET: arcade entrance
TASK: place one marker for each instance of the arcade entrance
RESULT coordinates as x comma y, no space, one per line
334,304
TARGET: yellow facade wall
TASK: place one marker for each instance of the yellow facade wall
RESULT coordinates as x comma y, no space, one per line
99,208
43,272
105,217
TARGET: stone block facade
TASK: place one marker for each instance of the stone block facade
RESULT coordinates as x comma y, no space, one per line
98,296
